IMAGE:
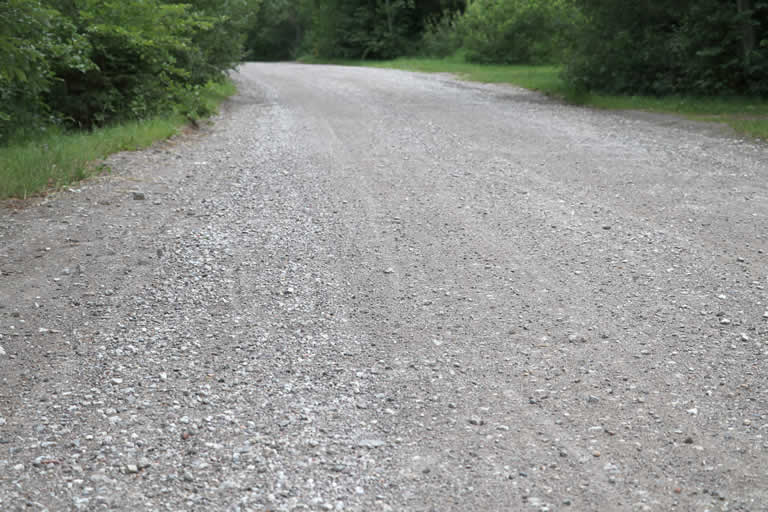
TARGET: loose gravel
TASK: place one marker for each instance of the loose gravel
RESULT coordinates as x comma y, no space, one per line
367,289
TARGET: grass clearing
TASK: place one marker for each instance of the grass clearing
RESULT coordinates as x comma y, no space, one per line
33,167
748,116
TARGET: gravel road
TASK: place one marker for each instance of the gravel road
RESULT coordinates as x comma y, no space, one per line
368,290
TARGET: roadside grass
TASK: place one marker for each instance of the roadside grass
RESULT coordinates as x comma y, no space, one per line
37,166
748,116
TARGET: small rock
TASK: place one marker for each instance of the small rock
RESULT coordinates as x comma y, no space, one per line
371,443
476,420
747,422
606,227
765,315
2,351
725,321
131,469
389,270
693,412
144,463
81,503
44,460
688,440
139,196
229,484
593,399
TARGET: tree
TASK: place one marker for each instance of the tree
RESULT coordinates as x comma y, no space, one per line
376,29
277,31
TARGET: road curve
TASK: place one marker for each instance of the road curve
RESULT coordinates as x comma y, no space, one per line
365,289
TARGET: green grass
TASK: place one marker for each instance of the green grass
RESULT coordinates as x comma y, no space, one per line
540,78
748,116
44,164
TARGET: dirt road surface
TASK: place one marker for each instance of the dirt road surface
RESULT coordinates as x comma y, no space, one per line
372,290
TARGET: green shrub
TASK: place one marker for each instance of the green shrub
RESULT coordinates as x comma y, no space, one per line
32,38
138,49
703,47
87,63
441,36
353,29
277,31
517,31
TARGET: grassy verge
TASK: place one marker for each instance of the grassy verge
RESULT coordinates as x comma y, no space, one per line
34,167
748,116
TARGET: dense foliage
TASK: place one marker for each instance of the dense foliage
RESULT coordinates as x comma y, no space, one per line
517,31
85,63
376,29
670,46
277,31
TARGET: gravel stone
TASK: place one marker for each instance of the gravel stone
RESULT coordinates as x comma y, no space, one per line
371,443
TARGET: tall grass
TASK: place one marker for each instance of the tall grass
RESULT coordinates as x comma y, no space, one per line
35,166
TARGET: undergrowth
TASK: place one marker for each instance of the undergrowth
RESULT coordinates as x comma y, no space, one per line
36,166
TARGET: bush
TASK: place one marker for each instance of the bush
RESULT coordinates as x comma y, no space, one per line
32,38
85,63
703,47
441,36
517,31
133,48
277,31
361,29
